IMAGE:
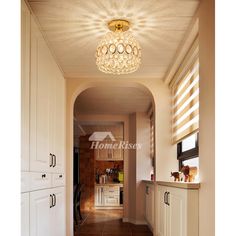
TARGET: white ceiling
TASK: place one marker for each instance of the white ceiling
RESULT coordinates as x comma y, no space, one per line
112,100
73,29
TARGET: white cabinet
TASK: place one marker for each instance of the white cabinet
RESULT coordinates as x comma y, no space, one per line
25,84
110,200
25,214
98,196
107,196
149,200
177,213
59,213
57,122
40,213
40,104
109,154
47,108
47,212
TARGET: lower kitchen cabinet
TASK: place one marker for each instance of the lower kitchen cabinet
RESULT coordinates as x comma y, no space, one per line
98,196
47,212
177,211
25,214
108,196
150,208
111,200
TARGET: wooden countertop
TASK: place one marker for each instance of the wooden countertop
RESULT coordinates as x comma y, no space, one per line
183,185
110,184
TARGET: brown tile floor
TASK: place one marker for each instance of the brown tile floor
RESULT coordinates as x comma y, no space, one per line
109,222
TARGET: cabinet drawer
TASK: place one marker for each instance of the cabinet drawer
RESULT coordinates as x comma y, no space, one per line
40,180
58,180
25,182
111,190
111,201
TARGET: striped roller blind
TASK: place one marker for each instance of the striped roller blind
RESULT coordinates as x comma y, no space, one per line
185,110
152,138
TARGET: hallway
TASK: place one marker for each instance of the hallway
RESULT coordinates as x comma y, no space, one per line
109,222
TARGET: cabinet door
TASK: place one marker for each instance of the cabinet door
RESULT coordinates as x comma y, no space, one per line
40,213
117,154
58,213
177,212
150,205
25,227
98,196
58,121
161,212
25,90
111,200
40,102
103,153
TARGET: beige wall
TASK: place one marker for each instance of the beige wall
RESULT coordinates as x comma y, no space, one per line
165,151
132,171
207,119
143,163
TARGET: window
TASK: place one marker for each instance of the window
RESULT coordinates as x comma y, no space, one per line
188,151
185,98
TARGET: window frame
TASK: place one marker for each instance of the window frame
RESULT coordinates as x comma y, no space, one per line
189,154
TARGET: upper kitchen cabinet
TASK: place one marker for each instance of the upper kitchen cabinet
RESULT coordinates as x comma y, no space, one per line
25,83
46,108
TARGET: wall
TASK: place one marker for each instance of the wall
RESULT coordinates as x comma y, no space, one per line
143,163
132,173
165,152
207,119
86,173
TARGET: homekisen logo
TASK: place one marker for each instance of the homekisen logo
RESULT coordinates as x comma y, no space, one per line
97,139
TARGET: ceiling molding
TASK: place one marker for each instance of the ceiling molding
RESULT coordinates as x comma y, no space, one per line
184,47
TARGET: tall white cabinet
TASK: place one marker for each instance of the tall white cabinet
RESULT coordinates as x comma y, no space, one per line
42,134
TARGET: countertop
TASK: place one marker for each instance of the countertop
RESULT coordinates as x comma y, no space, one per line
184,185
110,184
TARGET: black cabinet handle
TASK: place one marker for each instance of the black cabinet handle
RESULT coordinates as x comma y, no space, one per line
54,160
51,201
55,200
51,160
60,176
167,197
43,176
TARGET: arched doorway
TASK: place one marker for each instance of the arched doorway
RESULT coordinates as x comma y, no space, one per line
77,92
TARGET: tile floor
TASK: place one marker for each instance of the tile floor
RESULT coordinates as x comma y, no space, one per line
109,223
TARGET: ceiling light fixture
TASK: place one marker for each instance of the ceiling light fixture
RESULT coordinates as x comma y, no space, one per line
118,52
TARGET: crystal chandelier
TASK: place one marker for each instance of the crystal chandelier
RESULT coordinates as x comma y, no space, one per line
118,52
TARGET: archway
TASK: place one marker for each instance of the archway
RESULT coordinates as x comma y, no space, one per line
71,101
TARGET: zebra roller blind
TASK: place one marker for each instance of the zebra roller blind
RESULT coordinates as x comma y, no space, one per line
185,110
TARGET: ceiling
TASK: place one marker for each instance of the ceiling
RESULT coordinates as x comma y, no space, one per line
112,100
73,29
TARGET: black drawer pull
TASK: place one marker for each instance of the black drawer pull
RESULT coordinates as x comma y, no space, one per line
43,176
60,176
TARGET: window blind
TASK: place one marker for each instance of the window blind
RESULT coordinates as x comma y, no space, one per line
185,110
152,138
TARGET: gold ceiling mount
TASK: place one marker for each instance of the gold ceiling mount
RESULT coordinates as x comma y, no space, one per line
118,25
